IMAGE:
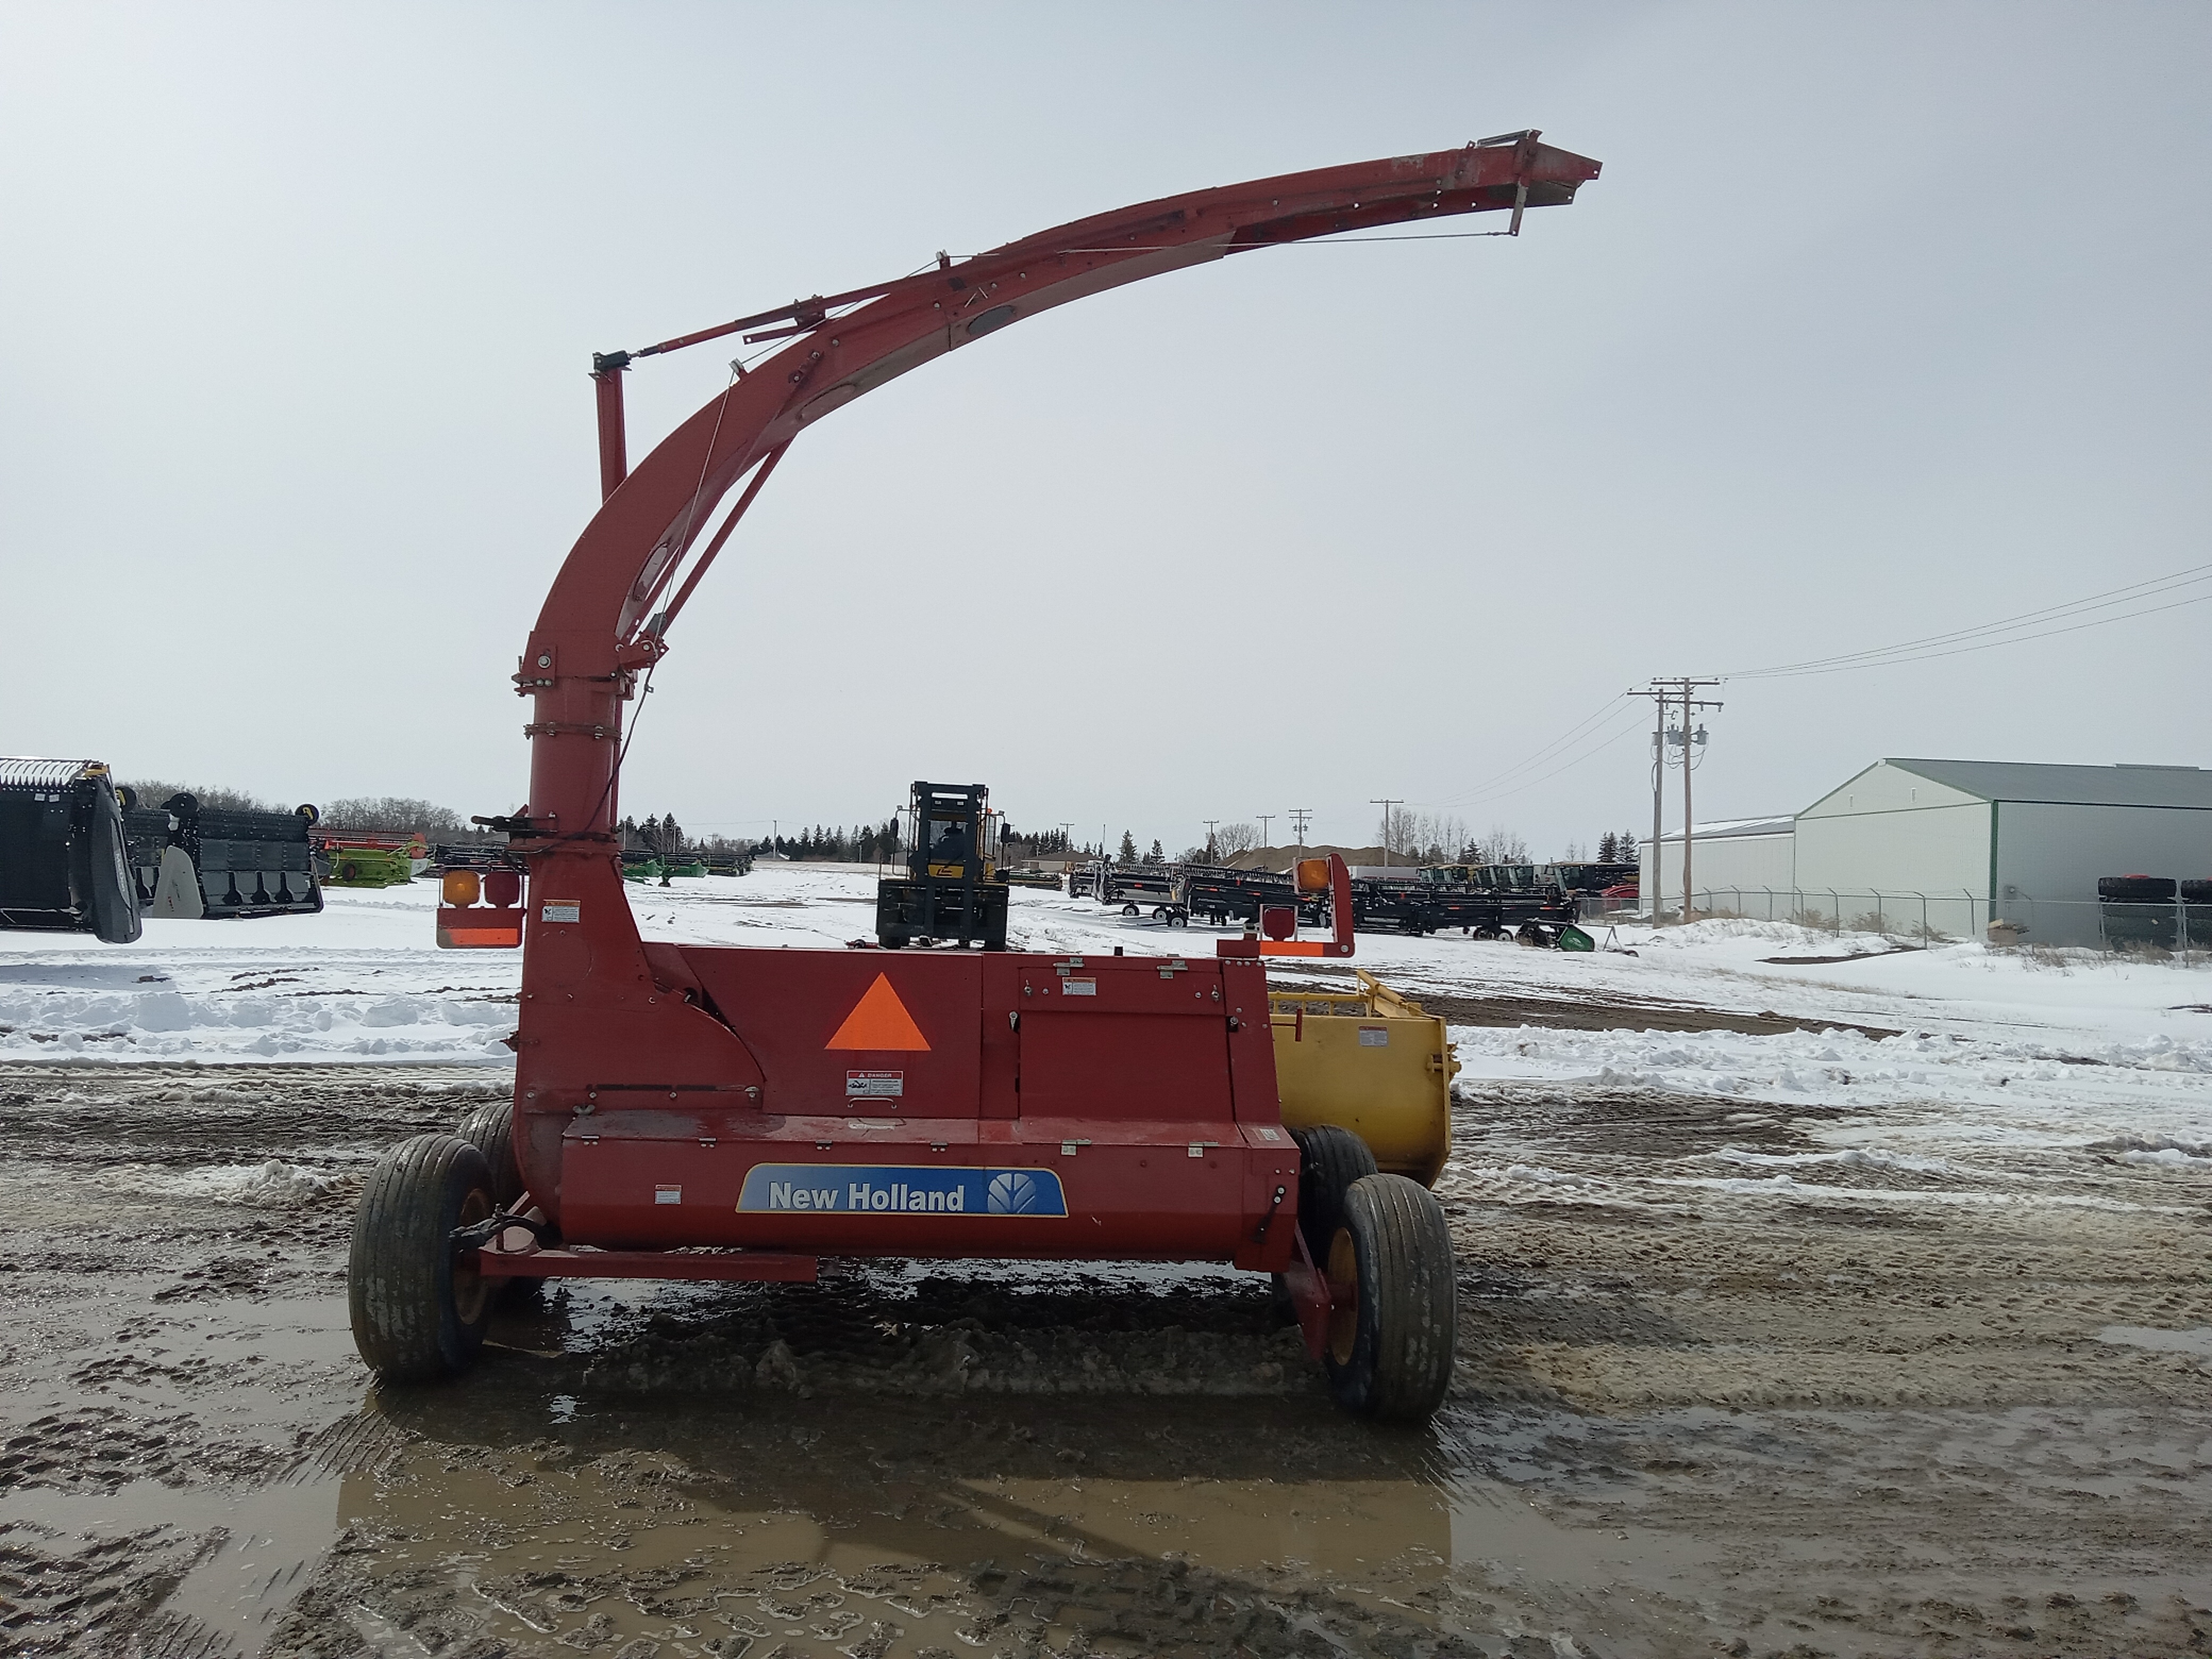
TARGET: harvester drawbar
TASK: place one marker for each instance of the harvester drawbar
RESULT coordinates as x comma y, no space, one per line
695,1112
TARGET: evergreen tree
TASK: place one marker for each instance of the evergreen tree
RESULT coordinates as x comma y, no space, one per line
1128,848
1155,856
1609,847
1626,847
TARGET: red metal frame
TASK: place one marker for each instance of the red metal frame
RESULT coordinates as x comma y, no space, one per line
770,1102
1340,914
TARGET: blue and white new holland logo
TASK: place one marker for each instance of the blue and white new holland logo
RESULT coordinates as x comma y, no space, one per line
899,1189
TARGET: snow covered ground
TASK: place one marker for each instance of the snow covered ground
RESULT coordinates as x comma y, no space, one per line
1999,1055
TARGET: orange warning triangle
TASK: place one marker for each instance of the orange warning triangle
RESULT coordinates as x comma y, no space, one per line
879,1021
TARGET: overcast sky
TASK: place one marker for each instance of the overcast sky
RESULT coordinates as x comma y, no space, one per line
1882,321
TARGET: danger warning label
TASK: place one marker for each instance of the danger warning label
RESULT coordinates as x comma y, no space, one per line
874,1086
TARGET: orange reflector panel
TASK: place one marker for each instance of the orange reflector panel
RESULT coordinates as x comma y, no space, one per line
879,1021
477,929
459,887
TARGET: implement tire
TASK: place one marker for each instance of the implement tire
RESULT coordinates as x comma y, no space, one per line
1329,1160
418,1315
491,1130
1395,1324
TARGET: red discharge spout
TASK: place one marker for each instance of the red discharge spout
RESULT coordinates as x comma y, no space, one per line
597,630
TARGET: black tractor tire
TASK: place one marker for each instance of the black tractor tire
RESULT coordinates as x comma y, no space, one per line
1329,1160
491,1130
417,1314
114,893
1394,1329
2137,889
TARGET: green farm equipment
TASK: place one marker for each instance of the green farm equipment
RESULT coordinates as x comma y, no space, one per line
370,861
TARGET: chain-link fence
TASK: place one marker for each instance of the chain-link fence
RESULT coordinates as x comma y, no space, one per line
1914,915
1933,917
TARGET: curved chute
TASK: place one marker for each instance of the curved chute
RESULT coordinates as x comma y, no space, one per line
609,608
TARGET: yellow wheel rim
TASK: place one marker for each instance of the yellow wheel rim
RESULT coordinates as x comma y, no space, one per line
1343,1277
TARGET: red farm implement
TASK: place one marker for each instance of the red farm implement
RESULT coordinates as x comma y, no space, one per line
690,1112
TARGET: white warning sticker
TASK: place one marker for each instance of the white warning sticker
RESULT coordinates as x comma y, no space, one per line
1374,1036
668,1194
874,1086
1078,987
562,910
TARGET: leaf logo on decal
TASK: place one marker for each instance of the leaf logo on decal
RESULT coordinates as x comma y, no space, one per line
1011,1193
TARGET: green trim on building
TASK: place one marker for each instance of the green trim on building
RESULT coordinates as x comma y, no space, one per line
1994,808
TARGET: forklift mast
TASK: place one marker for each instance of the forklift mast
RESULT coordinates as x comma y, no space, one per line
955,834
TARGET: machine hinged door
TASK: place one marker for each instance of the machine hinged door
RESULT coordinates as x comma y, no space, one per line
1124,1037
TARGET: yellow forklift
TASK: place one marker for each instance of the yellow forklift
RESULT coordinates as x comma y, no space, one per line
952,893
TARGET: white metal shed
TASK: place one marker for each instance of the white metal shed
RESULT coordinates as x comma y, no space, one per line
1978,840
1728,860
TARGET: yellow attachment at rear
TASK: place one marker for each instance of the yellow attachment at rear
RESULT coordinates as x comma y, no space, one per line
1371,1062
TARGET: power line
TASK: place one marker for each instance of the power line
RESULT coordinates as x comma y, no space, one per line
1989,645
1988,635
1613,707
1600,742
1629,730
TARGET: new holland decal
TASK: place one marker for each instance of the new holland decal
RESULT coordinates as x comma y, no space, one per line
889,1189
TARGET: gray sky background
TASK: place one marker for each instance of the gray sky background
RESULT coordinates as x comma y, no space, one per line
1883,320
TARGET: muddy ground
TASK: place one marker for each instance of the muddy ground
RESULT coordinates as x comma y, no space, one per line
1738,1425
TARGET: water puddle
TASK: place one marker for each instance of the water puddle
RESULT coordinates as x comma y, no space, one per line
258,1547
860,1527
2196,1341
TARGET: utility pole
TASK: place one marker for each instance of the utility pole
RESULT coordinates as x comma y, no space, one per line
1683,691
1266,818
1209,824
1068,839
1386,805
1300,817
1657,693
